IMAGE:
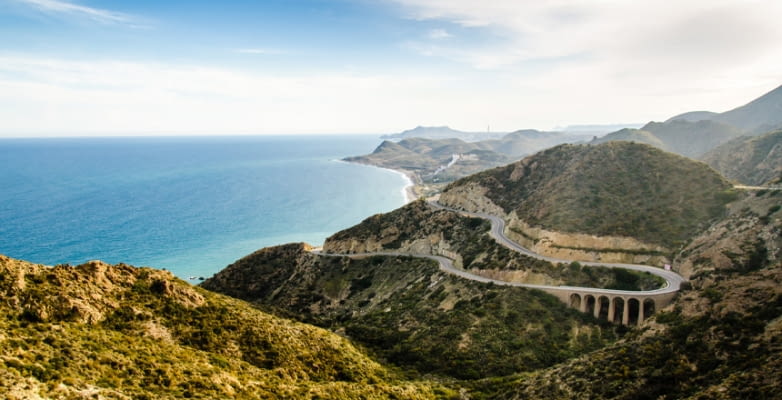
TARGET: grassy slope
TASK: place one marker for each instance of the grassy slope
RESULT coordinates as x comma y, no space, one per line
412,314
613,189
118,331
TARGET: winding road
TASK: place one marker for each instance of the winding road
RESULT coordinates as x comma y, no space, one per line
661,295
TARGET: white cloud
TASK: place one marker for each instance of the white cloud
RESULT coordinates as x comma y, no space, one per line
438,34
67,9
46,96
639,45
55,96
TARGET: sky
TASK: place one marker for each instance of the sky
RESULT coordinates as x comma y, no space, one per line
102,68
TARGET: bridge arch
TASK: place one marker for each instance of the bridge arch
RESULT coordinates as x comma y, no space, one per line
575,301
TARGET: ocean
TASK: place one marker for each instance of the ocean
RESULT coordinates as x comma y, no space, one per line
191,205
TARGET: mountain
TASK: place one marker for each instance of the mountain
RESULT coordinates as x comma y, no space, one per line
693,116
690,139
616,189
718,340
443,132
758,116
116,331
751,160
695,133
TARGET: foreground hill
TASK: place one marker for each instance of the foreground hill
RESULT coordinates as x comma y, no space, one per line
718,340
617,189
118,332
751,160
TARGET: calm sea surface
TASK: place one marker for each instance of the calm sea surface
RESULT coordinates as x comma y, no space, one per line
190,205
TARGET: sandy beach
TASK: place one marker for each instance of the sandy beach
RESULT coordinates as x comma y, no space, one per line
408,192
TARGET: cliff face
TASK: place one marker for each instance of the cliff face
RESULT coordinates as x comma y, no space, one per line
116,331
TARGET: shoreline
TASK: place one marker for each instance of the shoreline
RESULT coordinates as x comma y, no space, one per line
408,191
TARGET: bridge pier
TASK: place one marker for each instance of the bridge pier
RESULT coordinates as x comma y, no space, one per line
611,310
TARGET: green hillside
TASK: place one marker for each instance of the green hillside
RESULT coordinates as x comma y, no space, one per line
413,315
612,189
118,332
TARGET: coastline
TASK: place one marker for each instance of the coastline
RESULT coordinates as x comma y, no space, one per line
408,191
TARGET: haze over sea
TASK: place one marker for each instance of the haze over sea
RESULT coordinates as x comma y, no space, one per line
191,205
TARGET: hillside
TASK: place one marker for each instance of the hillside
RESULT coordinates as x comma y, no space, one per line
719,340
616,189
751,160
118,332
419,228
413,315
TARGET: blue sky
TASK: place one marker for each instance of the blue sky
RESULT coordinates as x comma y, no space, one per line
91,67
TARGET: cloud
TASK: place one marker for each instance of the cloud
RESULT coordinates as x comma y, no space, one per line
631,43
438,34
71,10
52,96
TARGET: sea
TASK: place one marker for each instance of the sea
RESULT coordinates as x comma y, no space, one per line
191,205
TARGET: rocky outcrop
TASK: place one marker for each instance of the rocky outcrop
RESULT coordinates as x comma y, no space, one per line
86,293
584,247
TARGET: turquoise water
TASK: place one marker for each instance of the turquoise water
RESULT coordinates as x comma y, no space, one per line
190,205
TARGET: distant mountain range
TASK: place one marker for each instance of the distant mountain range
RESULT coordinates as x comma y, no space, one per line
695,133
443,132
